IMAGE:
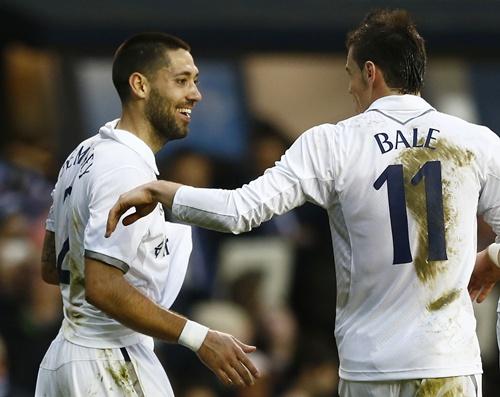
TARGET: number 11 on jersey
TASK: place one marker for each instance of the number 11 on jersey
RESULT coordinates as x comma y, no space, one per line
431,173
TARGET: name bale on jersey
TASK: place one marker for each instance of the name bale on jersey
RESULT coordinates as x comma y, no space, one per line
398,140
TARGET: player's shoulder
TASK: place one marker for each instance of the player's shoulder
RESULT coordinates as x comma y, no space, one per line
80,156
475,132
322,131
343,129
111,154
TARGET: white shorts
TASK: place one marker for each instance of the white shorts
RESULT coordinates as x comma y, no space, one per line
70,370
466,386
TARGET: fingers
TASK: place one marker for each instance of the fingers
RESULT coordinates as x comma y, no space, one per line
129,219
485,292
225,356
245,360
113,217
244,347
474,288
239,375
223,377
230,376
473,294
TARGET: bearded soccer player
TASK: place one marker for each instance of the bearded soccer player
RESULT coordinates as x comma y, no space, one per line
402,184
116,292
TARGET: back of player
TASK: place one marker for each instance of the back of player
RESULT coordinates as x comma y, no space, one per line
404,229
402,184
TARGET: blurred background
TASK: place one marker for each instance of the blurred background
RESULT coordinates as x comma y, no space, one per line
269,70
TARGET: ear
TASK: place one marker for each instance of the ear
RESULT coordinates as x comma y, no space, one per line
139,85
369,71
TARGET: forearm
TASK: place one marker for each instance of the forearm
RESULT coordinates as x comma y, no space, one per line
108,290
164,192
238,210
49,262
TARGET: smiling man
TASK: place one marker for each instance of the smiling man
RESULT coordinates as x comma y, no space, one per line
116,292
402,184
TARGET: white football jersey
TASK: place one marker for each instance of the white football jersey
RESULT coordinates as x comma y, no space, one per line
152,253
402,184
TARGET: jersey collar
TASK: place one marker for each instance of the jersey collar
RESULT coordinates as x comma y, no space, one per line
130,140
400,102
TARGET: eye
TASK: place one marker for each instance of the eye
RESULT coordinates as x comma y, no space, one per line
181,81
197,81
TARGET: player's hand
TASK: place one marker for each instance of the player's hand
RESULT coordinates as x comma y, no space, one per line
226,357
144,198
484,277
141,198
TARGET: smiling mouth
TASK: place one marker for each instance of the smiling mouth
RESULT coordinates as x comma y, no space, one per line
186,112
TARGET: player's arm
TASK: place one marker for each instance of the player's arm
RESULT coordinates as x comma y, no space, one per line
303,173
49,265
144,198
107,289
486,273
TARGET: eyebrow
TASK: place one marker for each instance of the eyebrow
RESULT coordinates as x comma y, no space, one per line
186,73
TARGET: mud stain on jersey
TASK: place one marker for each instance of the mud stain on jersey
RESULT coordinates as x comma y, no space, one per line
440,387
122,379
452,158
444,300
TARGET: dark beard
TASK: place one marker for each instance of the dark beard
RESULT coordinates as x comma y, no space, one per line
163,121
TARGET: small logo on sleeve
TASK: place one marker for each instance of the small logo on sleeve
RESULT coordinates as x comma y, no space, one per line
162,248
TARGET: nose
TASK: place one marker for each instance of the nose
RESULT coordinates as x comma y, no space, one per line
195,94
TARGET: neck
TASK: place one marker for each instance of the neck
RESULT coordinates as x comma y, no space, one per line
386,91
134,122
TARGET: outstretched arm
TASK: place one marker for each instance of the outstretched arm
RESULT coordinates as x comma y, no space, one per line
144,198
107,289
305,173
486,273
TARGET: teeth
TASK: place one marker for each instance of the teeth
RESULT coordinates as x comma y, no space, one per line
185,110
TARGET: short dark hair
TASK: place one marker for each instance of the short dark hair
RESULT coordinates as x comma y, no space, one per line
144,53
390,40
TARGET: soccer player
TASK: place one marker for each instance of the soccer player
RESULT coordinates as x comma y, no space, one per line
116,292
402,183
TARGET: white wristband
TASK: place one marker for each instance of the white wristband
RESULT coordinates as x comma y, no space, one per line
493,251
193,335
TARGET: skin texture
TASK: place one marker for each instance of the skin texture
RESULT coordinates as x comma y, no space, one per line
153,113
49,270
484,277
107,289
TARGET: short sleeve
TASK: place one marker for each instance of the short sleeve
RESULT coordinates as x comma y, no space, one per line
120,249
50,223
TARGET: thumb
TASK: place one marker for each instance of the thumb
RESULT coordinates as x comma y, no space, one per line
244,347
129,219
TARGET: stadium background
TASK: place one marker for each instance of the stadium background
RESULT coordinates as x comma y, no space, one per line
269,70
